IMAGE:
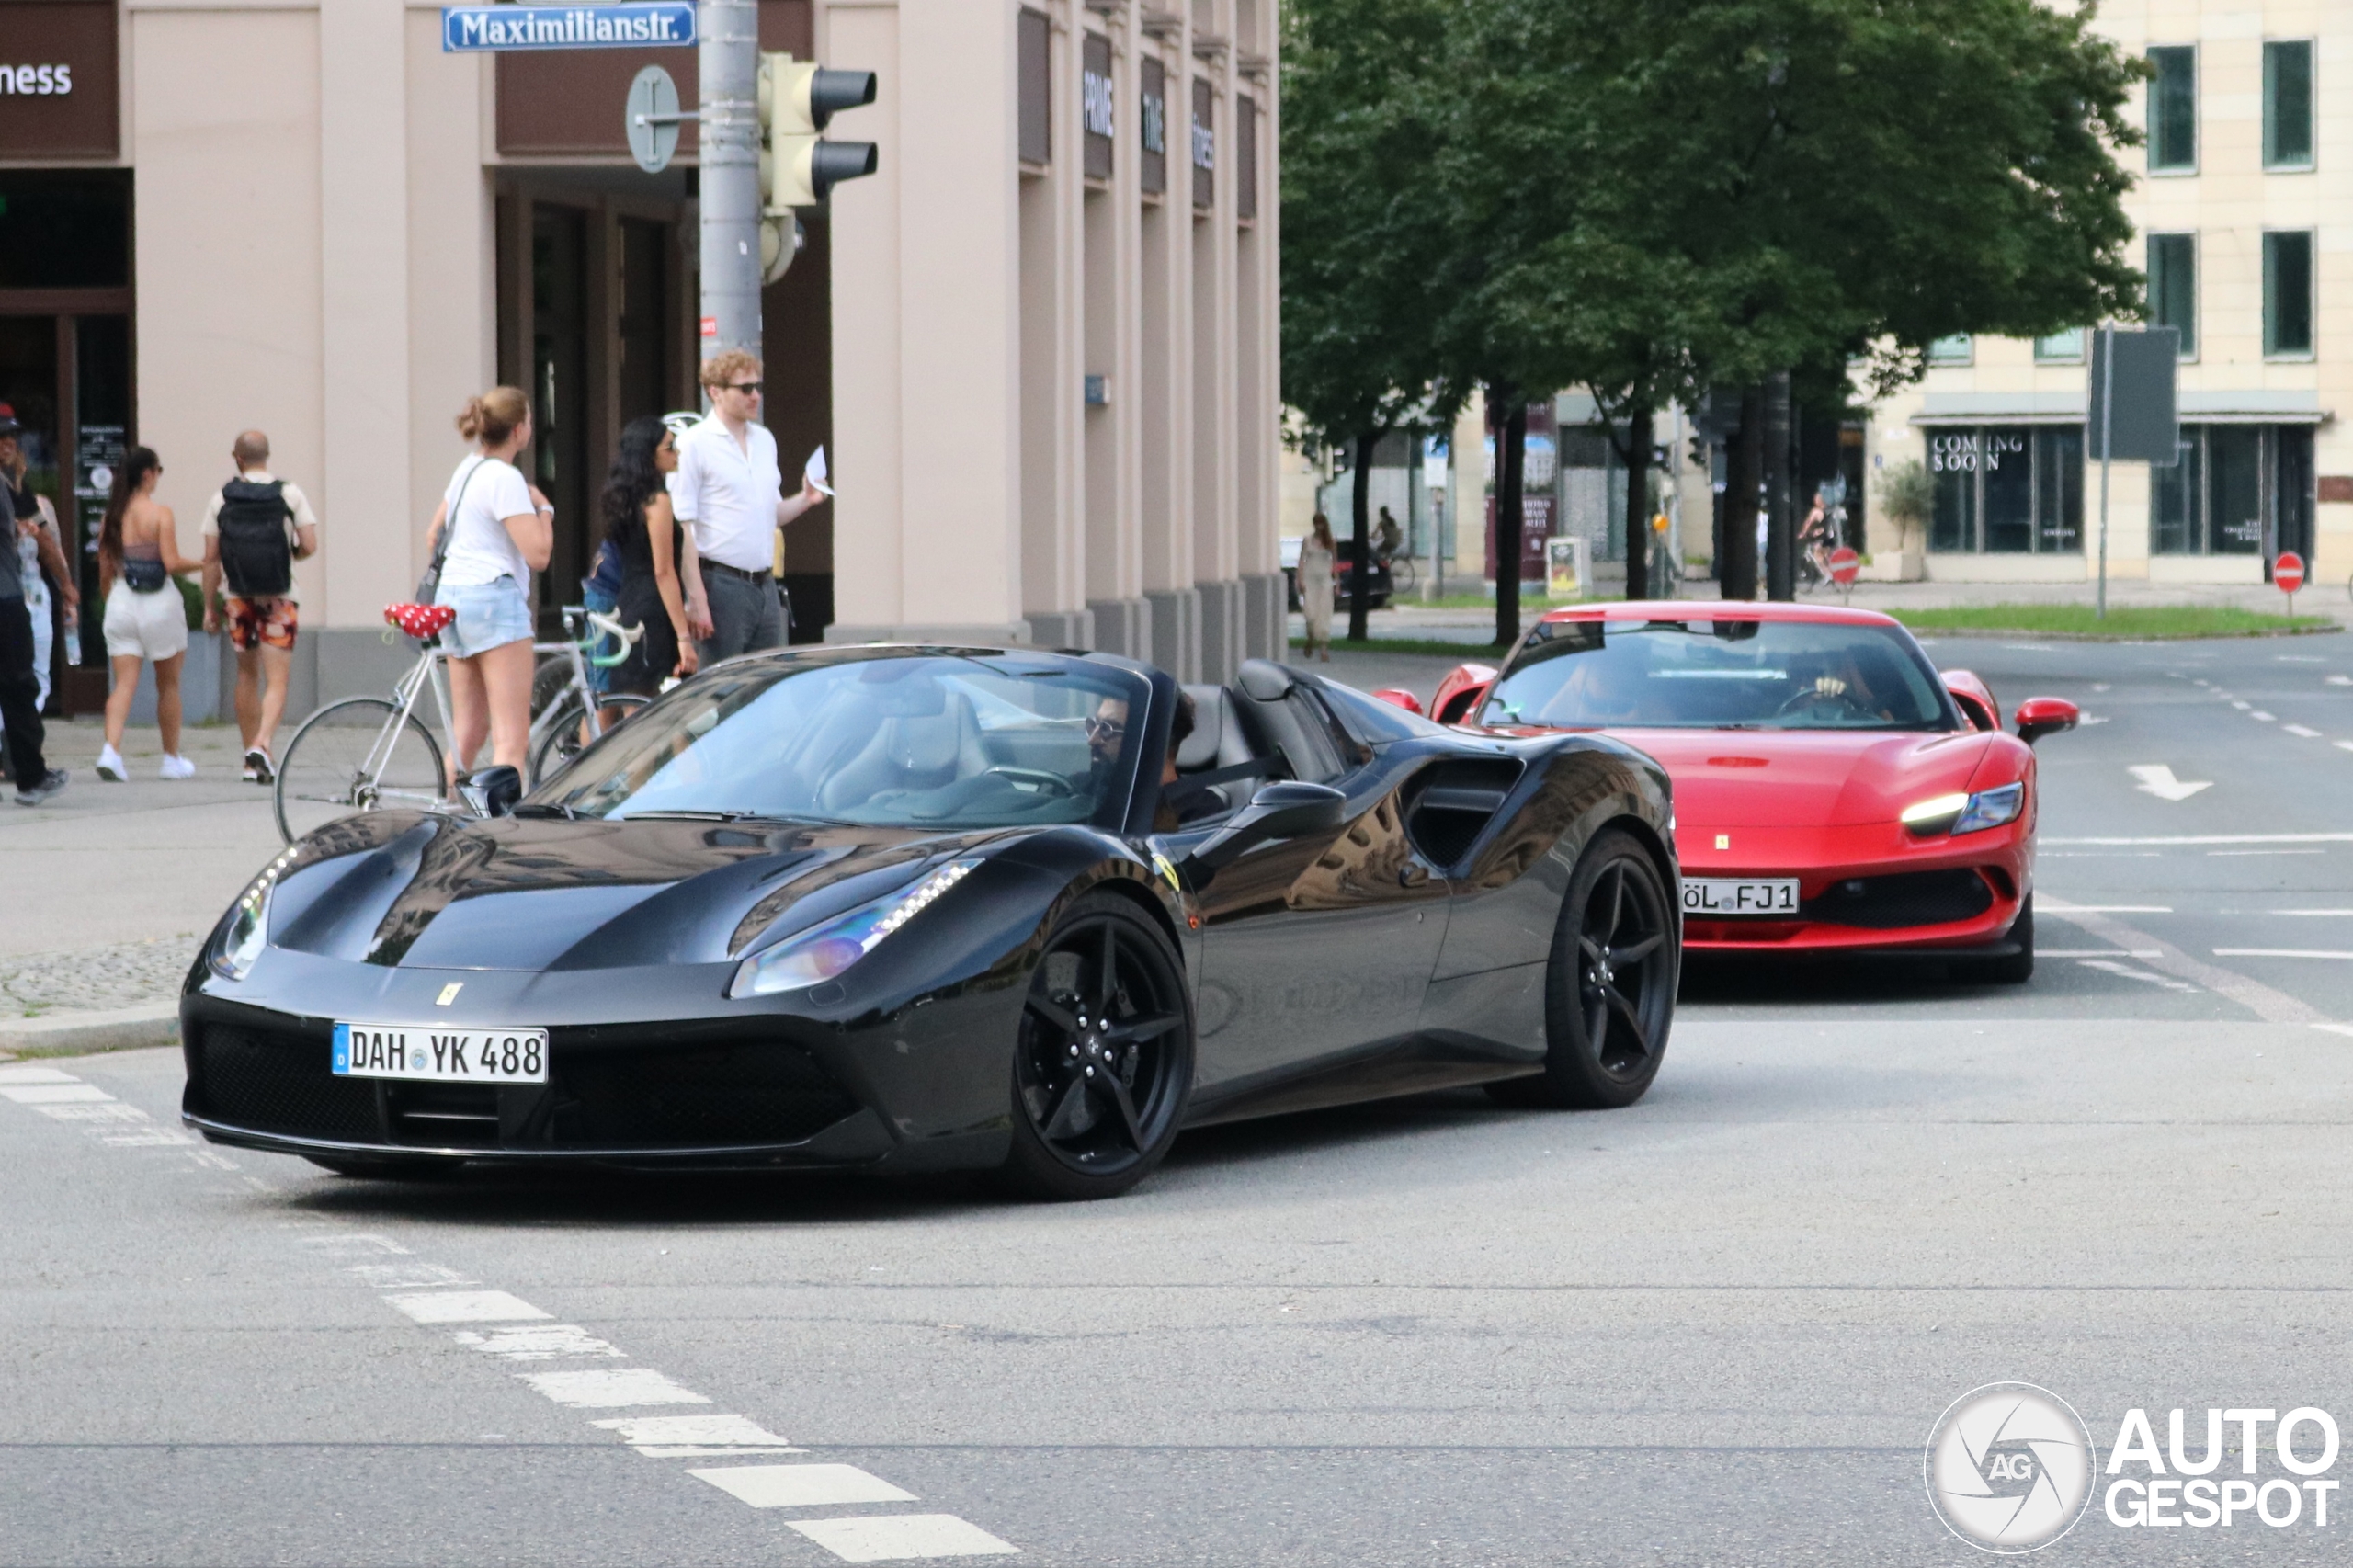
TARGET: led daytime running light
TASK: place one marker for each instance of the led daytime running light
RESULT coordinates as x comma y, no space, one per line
819,954
1935,811
248,931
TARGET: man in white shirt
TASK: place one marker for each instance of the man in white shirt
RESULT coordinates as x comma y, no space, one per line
262,626
729,492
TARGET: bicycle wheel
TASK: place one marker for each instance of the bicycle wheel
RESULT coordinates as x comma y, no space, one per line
1404,576
566,735
550,681
357,755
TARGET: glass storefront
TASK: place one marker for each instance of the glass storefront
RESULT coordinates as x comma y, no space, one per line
2238,490
2007,489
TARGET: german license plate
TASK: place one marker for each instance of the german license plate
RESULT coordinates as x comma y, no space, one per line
450,1056
1710,896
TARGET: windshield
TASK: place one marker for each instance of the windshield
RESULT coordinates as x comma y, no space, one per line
930,741
1776,675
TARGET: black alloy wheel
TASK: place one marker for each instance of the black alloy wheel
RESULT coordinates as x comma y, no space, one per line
1103,1062
1609,994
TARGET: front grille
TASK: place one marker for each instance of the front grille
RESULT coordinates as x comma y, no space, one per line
444,1115
1913,898
753,1093
278,1081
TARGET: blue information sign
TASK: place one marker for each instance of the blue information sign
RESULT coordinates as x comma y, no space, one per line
639,23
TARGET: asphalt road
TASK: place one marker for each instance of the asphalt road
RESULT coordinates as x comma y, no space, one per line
1714,1329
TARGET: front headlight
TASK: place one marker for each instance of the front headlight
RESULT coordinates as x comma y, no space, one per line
827,949
248,931
1959,813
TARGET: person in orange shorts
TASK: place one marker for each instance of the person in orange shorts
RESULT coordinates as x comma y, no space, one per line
255,530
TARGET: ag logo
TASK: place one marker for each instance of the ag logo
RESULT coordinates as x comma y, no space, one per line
2009,1467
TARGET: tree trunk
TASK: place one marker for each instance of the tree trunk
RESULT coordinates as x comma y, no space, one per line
1781,552
1638,504
1511,454
1360,536
1736,568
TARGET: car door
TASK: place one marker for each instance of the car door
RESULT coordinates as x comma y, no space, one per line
1319,947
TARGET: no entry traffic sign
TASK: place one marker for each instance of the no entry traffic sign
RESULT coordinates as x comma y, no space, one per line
1845,565
2288,571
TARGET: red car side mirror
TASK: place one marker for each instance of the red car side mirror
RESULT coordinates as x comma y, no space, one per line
1398,697
2040,716
1975,699
1461,693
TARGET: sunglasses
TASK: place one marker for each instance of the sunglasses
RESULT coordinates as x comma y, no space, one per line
1104,729
749,388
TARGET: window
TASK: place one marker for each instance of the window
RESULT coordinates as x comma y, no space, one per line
2238,490
2014,490
2060,348
2288,294
1958,349
1033,69
2173,286
2288,105
2173,108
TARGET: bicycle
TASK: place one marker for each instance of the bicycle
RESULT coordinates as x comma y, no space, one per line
1404,575
365,753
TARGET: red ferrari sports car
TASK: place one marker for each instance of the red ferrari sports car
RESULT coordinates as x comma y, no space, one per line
1833,792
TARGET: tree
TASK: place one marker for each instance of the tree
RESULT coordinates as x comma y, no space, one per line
1359,234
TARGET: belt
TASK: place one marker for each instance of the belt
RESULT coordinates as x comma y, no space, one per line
726,571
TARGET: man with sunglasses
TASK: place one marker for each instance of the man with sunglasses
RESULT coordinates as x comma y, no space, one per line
729,492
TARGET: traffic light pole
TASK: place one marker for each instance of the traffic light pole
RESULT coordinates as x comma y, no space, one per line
729,59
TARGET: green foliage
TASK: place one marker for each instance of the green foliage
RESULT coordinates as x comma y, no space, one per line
1904,492
2126,622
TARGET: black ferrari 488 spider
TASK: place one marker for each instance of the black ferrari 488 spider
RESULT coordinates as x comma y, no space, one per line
923,908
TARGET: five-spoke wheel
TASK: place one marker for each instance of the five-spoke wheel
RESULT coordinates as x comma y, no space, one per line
1610,992
1104,1059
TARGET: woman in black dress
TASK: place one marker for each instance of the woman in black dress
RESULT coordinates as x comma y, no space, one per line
655,558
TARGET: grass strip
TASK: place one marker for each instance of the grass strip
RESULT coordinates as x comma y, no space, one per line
2123,622
1461,653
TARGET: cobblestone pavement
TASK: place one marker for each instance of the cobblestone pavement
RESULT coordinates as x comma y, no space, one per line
121,975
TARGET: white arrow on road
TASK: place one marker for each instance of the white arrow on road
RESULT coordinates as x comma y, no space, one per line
2157,779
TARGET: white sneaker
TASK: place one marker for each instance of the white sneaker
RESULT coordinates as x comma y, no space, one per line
175,767
110,766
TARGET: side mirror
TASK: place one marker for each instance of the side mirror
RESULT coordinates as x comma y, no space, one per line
1398,697
491,791
1975,699
2040,716
1461,693
1287,809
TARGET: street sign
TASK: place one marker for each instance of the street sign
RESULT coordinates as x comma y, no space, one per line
651,118
1845,565
2288,571
2147,426
635,24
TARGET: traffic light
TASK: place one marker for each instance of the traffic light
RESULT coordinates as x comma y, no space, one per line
798,168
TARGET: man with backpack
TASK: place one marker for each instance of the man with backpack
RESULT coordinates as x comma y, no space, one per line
255,530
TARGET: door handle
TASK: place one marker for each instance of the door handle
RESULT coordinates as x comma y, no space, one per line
1413,876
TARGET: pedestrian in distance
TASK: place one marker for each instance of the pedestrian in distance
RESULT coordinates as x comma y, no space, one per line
48,579
255,527
146,619
501,530
21,688
1388,538
1317,555
729,492
657,559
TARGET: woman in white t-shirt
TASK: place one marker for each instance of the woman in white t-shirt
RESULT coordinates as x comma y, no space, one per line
502,529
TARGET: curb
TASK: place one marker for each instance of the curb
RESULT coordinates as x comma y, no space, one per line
81,1034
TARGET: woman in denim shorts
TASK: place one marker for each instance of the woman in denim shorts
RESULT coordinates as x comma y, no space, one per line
502,529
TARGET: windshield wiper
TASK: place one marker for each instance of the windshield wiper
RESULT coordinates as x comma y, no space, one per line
684,813
545,808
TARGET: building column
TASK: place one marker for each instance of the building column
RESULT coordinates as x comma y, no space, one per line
1216,553
1112,235
1164,377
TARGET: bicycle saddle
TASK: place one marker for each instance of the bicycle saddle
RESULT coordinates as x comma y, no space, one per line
419,621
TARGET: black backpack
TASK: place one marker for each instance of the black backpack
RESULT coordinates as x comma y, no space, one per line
255,555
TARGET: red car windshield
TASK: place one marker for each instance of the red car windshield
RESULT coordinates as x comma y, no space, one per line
1682,675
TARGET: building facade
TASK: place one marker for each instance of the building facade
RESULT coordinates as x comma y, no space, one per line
2244,208
1039,345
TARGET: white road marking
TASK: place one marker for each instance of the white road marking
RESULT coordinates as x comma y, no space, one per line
610,1390
2198,838
415,1275
2100,952
466,1306
2267,717
2339,680
801,1485
2156,778
2300,729
897,1537
2057,906
2304,912
697,1437
51,1094
2141,975
2225,854
36,1075
365,1242
536,1343
2242,706
2281,953
108,1110
2336,1028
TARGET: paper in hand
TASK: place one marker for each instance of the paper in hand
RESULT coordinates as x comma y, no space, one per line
815,470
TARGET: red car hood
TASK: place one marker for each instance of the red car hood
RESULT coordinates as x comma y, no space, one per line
1807,778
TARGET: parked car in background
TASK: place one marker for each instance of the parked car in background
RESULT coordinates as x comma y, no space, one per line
1381,583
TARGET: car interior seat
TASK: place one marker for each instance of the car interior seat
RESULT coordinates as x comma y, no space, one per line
913,751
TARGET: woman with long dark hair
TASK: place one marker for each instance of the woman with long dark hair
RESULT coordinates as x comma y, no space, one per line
656,557
146,619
